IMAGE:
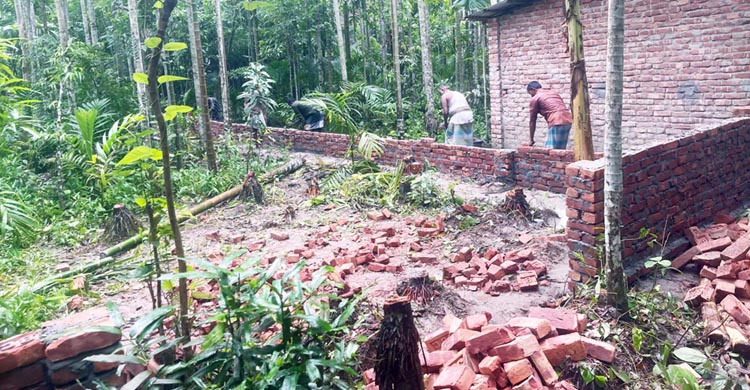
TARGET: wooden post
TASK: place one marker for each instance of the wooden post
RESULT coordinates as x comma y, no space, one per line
579,86
397,365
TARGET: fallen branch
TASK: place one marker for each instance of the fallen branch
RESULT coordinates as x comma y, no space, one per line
108,255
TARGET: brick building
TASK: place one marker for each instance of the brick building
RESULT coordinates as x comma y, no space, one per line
687,65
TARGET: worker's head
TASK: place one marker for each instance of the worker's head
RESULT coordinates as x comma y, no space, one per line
290,101
533,87
443,88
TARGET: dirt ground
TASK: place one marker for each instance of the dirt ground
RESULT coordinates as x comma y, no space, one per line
213,232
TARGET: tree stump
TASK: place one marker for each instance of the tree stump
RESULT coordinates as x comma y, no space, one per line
515,201
121,225
251,189
397,366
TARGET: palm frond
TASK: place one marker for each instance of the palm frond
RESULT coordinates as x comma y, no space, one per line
16,218
370,145
336,179
85,124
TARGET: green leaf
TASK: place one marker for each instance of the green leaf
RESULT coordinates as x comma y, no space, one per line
141,153
141,202
690,355
178,109
140,78
114,314
158,5
115,359
202,295
168,116
254,5
137,381
682,377
637,339
146,324
169,78
152,42
174,46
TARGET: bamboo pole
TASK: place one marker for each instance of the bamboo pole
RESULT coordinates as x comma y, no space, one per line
132,242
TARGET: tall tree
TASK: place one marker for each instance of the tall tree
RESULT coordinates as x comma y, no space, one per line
86,25
340,39
27,34
579,86
199,79
616,283
153,94
424,37
383,43
61,8
93,31
397,70
459,52
135,39
223,67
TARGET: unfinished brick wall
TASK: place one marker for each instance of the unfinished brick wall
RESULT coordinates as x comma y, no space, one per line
542,168
682,183
687,63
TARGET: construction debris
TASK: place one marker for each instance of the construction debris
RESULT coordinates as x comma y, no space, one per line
515,202
721,254
471,353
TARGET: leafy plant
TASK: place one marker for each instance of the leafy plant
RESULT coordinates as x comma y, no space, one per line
17,221
270,331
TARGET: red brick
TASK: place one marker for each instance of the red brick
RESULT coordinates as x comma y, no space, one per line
491,365
452,323
86,331
292,258
738,249
495,272
489,339
736,309
457,340
695,235
742,288
20,350
376,216
724,218
544,368
425,258
712,258
723,288
484,382
727,270
699,294
469,208
717,231
427,232
518,371
599,350
685,258
519,348
387,213
464,254
567,346
490,253
434,340
22,377
539,327
708,272
435,360
476,321
376,267
509,267
279,236
456,377
564,320
714,245
414,246
537,266
527,280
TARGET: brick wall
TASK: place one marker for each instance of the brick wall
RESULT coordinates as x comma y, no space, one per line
684,182
687,63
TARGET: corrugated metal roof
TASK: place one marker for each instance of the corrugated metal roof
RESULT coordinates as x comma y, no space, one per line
493,11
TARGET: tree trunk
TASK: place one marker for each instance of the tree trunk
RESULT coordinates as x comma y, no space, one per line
85,17
153,94
340,39
135,37
223,67
616,282
93,31
43,12
424,37
383,45
579,87
25,21
397,346
319,58
475,63
459,53
61,8
347,32
365,41
397,70
199,76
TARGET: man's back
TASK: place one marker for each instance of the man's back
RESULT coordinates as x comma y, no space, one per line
552,107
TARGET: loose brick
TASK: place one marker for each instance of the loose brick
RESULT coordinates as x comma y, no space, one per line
529,384
414,246
527,280
699,294
375,216
738,249
736,309
536,266
457,340
695,235
484,382
292,258
566,346
436,359
539,327
23,377
599,350
20,350
456,377
518,371
279,236
424,258
434,340
564,320
491,365
685,258
708,272
509,267
727,270
452,323
521,347
490,253
723,288
376,267
712,258
387,213
714,245
427,232
489,339
742,288
476,321
86,331
544,368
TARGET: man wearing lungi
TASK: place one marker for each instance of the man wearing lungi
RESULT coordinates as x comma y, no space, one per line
555,112
459,129
310,114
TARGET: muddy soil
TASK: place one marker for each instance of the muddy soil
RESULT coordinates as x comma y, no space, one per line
288,210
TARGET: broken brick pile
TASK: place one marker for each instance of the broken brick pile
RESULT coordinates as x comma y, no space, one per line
519,355
53,356
496,272
722,254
